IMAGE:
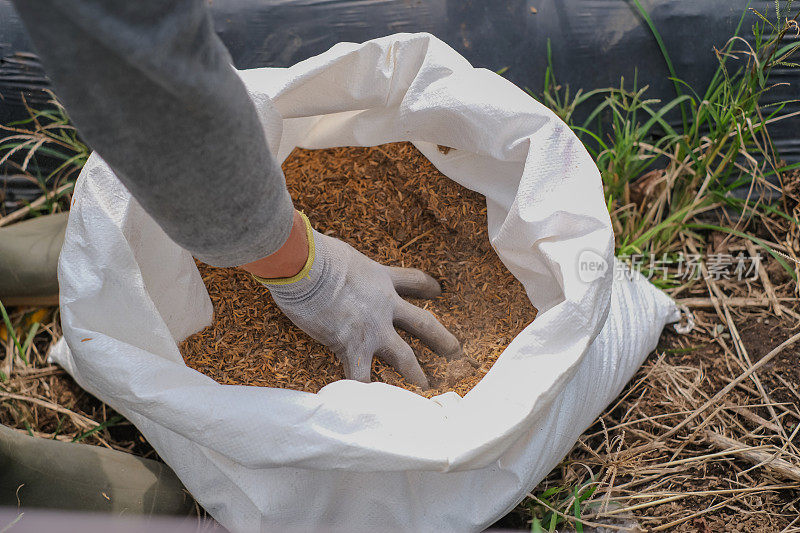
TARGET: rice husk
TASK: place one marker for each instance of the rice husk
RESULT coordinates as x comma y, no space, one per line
390,203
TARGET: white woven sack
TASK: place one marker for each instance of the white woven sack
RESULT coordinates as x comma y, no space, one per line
362,456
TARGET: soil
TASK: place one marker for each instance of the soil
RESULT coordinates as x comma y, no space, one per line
707,365
390,203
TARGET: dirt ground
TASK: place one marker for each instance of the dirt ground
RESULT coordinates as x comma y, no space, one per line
622,452
636,461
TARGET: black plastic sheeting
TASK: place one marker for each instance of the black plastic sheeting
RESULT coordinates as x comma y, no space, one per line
594,42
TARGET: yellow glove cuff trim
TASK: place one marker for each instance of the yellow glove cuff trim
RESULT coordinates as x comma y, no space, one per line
304,273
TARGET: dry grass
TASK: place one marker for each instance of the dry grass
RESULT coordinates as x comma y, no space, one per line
705,436
703,439
683,450
41,399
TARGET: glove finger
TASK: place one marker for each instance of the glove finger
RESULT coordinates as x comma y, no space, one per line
423,325
414,283
401,356
357,364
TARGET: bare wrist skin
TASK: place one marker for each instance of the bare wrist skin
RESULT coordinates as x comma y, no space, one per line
290,258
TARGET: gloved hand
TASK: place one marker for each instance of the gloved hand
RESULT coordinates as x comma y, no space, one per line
351,304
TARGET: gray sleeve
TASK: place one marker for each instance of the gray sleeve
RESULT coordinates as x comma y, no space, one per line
152,89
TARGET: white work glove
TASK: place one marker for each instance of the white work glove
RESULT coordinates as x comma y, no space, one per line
351,304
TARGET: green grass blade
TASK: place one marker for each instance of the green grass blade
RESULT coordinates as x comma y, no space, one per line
658,117
113,421
58,427
576,511
593,135
28,340
10,329
646,16
689,87
552,491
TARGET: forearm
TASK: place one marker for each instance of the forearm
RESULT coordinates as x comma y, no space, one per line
151,89
289,259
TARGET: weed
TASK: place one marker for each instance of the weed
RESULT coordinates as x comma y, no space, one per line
46,133
23,347
661,183
113,421
10,330
545,514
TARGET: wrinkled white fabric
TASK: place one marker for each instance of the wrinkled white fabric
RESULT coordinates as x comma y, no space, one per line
356,455
350,303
